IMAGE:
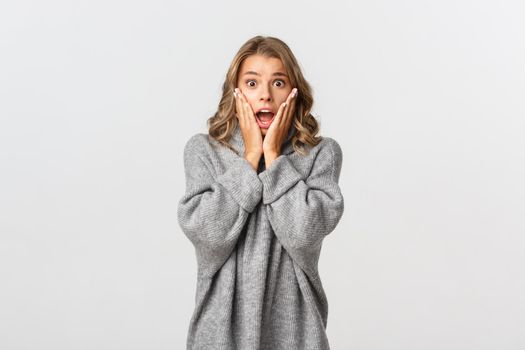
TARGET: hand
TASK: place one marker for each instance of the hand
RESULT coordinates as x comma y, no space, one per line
279,128
251,132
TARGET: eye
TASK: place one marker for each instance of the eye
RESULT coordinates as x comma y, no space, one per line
251,82
281,82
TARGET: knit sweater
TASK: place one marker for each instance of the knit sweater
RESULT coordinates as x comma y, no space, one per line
257,237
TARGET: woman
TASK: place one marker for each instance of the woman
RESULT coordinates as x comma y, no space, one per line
261,194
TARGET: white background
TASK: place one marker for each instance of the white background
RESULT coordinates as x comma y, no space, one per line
426,99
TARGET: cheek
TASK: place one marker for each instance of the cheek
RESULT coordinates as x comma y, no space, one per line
250,100
284,96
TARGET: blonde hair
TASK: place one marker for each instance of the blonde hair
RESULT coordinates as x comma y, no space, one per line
224,121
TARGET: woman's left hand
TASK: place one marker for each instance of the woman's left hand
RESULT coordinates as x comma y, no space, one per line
278,130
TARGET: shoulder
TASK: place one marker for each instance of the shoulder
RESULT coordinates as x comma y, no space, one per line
328,155
328,147
333,144
197,143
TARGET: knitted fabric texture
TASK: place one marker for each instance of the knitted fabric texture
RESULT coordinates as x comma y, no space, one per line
257,237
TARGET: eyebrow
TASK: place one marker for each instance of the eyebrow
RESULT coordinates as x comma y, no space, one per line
280,74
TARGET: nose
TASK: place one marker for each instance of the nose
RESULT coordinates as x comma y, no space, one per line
265,94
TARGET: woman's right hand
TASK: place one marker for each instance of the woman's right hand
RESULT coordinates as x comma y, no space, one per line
251,132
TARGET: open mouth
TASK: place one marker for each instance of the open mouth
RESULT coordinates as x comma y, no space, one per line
264,119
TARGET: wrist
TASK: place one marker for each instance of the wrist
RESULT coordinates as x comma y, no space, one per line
253,158
269,157
272,154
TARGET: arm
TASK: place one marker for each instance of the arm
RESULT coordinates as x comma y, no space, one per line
214,209
302,211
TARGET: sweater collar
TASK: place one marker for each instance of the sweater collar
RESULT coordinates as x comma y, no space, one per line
238,142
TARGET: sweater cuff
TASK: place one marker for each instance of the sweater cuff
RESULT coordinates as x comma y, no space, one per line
278,179
241,181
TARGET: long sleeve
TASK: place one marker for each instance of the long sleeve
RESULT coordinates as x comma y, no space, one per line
304,209
213,211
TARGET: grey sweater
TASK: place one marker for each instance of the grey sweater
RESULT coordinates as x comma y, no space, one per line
257,237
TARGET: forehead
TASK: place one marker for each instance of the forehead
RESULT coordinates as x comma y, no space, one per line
262,65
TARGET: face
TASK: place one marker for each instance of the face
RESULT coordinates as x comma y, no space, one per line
265,84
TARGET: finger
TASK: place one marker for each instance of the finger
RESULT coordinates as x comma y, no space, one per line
242,104
249,115
238,107
290,99
280,112
290,103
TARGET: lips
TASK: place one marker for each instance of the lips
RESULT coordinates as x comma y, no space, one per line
265,116
264,119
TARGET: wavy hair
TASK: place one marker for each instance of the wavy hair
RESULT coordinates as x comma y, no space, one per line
224,121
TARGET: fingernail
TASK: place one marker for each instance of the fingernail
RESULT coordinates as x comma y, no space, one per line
294,92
